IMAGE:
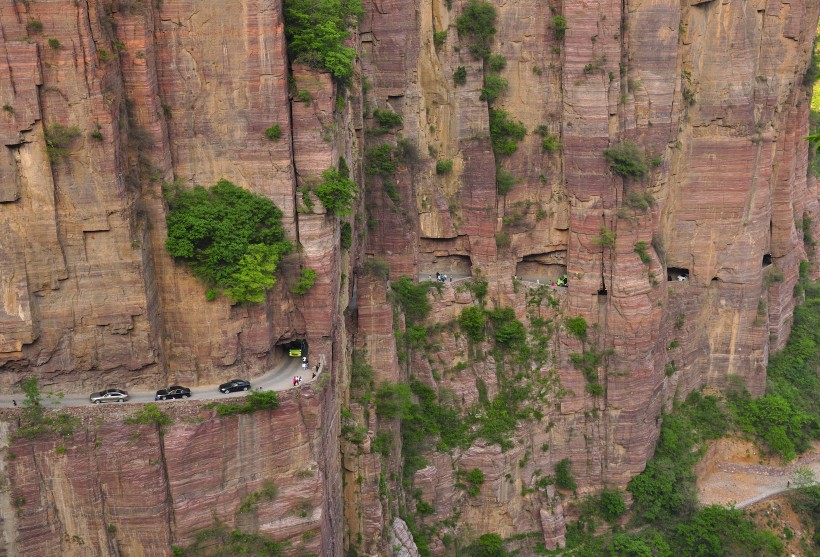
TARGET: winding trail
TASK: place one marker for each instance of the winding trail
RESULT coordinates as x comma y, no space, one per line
731,481
279,378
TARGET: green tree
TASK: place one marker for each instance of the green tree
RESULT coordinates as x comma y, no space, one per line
626,159
232,239
488,545
477,24
472,321
505,133
306,280
337,192
563,475
316,31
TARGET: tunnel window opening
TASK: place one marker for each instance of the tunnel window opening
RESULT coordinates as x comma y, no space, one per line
544,268
677,274
602,291
453,266
715,279
767,259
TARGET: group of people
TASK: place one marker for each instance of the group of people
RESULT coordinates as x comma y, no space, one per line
442,277
297,379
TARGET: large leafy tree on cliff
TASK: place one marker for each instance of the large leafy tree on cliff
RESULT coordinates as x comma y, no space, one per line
231,238
316,31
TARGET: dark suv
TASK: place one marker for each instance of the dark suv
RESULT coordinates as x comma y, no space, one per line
234,385
174,391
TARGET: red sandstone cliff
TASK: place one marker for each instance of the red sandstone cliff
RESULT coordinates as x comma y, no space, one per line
183,90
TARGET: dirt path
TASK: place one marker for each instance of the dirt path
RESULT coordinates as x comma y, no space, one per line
734,472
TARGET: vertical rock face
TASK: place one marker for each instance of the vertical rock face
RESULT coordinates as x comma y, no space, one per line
684,276
115,489
712,94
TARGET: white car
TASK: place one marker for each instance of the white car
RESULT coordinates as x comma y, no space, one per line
109,395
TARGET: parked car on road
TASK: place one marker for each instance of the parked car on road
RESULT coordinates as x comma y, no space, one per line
109,395
234,385
174,391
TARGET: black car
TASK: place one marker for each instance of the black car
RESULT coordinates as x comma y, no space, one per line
234,385
174,391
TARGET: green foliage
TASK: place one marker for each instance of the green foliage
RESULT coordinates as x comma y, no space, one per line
274,133
472,321
478,287
494,85
337,192
487,545
716,530
626,159
502,240
439,38
316,31
36,421
387,120
105,55
477,24
393,400
230,238
59,139
380,161
606,239
612,505
444,166
787,418
8,108
306,280
550,143
460,75
346,235
577,327
806,503
508,331
382,444
643,252
377,268
504,181
496,62
54,44
411,298
218,541
666,488
639,201
563,475
150,414
268,492
505,133
256,400
559,25
34,26
643,544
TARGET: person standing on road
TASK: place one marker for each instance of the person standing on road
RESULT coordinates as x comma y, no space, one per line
14,402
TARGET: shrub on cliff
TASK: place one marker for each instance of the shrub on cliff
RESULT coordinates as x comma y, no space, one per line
505,133
477,24
488,545
306,280
337,192
316,31
256,400
626,159
472,321
412,298
786,419
232,239
36,421
58,140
